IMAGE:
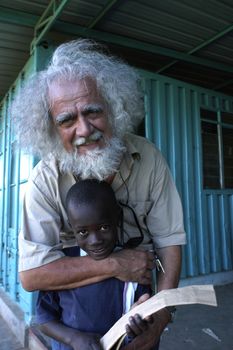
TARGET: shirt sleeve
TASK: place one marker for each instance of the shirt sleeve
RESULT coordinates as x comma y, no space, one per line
47,307
39,238
165,218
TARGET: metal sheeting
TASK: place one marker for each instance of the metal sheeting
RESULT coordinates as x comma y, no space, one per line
158,32
15,169
173,124
180,25
179,19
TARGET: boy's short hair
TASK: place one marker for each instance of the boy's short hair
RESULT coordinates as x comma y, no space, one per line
90,191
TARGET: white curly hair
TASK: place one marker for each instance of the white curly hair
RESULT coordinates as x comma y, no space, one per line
117,82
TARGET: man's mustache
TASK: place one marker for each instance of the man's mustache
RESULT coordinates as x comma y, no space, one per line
79,141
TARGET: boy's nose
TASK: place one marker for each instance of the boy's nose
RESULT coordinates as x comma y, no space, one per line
95,239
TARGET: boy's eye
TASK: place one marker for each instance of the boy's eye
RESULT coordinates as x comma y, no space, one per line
104,227
82,233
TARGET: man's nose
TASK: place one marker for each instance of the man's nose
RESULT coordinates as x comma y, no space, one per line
83,127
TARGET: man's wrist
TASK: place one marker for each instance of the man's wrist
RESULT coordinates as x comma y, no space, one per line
172,312
162,318
112,266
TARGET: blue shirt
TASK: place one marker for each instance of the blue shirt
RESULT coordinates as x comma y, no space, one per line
93,308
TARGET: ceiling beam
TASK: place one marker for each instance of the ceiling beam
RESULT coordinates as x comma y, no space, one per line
200,46
17,17
139,45
21,18
46,21
222,85
102,13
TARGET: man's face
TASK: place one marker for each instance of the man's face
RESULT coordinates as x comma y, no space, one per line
95,229
80,115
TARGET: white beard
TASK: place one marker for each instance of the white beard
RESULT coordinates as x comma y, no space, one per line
97,164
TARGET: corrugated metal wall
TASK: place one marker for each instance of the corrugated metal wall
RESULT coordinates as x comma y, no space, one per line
15,168
173,124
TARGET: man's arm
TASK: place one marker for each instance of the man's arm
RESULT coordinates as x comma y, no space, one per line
72,272
170,258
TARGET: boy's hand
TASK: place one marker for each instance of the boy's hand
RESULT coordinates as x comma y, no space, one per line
144,333
137,326
85,341
141,300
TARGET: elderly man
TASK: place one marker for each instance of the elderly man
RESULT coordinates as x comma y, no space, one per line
77,116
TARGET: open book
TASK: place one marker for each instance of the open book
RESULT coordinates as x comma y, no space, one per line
198,294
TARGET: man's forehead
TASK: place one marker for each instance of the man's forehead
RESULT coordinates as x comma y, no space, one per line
67,90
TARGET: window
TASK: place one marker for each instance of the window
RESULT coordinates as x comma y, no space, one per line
217,149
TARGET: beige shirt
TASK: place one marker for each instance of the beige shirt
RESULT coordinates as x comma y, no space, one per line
144,181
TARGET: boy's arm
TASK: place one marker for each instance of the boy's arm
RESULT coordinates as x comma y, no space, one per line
48,316
69,336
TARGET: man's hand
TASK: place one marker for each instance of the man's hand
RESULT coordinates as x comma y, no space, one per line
134,265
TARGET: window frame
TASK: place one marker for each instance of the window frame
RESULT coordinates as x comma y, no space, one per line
220,125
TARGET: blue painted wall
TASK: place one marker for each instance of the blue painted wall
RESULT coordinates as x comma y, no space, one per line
173,124
15,168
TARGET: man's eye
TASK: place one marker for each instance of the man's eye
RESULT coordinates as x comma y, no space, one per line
66,123
82,233
65,120
104,227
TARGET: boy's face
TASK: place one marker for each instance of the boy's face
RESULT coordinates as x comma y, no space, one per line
95,228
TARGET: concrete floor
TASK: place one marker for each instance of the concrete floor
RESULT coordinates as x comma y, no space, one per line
196,327
8,341
203,327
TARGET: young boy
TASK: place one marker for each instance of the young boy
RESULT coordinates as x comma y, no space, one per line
78,318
